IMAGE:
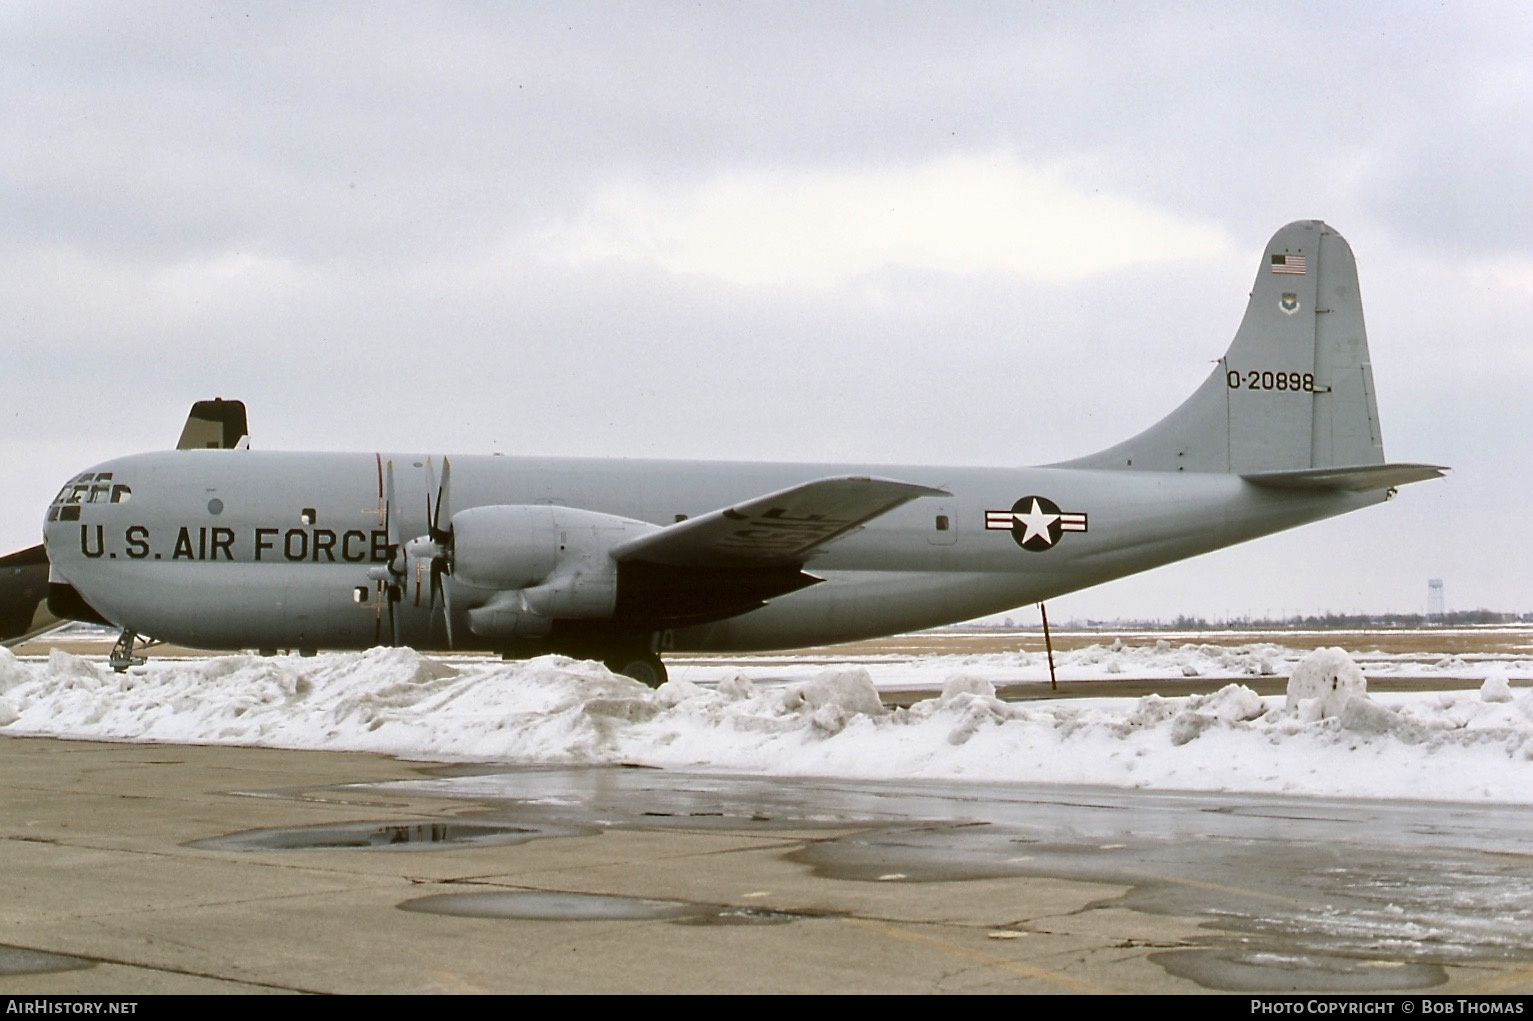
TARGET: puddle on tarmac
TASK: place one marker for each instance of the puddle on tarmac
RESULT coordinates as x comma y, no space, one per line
537,905
1252,971
381,835
1347,919
724,915
21,961
932,854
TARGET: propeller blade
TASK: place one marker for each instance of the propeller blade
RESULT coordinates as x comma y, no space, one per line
390,522
439,574
430,513
393,597
437,532
440,541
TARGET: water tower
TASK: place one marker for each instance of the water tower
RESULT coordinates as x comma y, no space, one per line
1435,609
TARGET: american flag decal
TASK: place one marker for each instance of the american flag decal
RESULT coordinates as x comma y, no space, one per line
1293,265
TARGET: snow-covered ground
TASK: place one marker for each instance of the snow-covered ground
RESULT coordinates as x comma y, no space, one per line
1139,655
788,716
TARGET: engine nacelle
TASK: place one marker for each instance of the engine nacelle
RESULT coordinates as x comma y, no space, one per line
547,563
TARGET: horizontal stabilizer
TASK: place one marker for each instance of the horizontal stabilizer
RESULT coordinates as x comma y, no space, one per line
779,528
1361,479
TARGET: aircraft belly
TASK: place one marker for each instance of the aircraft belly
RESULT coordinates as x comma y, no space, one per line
238,606
852,605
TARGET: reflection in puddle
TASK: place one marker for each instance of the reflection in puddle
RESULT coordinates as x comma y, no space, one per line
559,906
1242,971
367,835
745,916
21,961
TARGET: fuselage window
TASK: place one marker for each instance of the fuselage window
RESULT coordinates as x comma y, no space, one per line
942,523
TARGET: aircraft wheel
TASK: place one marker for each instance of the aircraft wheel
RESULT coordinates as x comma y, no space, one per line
646,669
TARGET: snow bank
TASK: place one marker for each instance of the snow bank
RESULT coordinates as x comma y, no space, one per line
1323,683
1328,737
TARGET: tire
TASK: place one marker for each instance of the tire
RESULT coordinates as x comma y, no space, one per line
647,669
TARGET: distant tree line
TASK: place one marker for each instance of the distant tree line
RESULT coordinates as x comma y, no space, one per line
1297,622
1338,621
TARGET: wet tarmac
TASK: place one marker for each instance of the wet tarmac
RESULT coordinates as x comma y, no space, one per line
139,869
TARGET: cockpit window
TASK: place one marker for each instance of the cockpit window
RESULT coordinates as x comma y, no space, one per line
87,488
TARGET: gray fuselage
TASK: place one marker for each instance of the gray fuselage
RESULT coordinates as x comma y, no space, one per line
226,549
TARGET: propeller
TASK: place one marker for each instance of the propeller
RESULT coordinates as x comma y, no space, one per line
432,553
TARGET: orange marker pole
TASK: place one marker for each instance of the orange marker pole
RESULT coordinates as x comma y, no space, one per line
1048,643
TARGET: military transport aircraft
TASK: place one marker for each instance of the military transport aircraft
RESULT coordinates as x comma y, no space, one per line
622,560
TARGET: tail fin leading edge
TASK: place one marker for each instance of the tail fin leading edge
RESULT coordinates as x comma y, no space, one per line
1294,392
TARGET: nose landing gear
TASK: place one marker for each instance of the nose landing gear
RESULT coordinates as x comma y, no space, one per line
123,652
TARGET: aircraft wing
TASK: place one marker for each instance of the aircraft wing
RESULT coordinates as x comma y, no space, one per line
733,560
788,526
24,595
37,634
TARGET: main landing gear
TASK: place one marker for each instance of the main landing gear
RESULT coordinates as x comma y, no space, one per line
644,667
123,652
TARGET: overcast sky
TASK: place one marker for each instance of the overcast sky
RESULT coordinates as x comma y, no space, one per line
999,233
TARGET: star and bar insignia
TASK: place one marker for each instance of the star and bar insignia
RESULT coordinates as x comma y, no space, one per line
1035,522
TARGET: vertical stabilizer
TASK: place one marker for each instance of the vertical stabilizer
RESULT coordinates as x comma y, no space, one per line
215,425
1295,389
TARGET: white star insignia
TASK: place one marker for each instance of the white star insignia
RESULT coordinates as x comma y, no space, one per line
1036,522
